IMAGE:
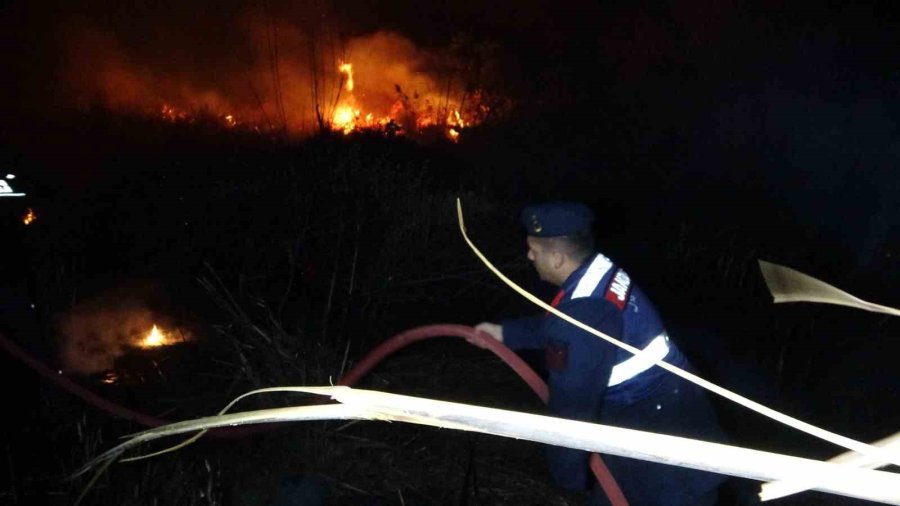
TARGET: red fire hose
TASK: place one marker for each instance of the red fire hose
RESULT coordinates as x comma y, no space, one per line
95,400
384,350
478,338
77,390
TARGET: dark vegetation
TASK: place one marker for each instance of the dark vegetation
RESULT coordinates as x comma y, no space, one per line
289,260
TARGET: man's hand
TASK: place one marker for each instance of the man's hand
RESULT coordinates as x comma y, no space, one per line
492,329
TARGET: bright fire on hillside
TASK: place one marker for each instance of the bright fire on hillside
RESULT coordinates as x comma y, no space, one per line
349,117
289,86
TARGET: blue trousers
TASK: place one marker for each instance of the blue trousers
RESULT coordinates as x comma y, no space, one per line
679,408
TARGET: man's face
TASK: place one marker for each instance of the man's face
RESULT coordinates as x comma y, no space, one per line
542,257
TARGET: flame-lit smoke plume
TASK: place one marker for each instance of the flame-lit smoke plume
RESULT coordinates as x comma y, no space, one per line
280,77
93,340
97,332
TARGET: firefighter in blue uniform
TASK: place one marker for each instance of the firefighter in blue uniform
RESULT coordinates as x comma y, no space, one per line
595,381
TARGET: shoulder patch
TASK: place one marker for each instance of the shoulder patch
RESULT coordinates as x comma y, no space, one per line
619,289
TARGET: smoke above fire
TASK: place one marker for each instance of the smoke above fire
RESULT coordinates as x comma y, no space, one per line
96,332
274,75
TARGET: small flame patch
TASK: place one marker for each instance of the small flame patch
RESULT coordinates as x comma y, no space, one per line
29,217
155,338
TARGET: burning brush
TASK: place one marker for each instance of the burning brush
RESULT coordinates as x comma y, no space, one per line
156,338
98,332
391,86
403,115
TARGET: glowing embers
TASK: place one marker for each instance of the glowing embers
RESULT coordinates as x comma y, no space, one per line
174,114
156,338
29,217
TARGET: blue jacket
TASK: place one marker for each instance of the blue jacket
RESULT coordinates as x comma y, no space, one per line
584,376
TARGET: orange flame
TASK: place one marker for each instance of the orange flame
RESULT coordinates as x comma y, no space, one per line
347,117
347,68
155,338
110,377
455,123
29,217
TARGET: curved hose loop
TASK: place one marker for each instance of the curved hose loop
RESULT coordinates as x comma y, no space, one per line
480,339
404,339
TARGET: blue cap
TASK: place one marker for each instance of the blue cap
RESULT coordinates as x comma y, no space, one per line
554,219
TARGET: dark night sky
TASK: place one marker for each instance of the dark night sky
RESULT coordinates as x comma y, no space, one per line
829,49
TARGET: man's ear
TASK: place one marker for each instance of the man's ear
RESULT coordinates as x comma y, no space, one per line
557,259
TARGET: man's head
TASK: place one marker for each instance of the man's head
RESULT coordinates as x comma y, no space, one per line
560,238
